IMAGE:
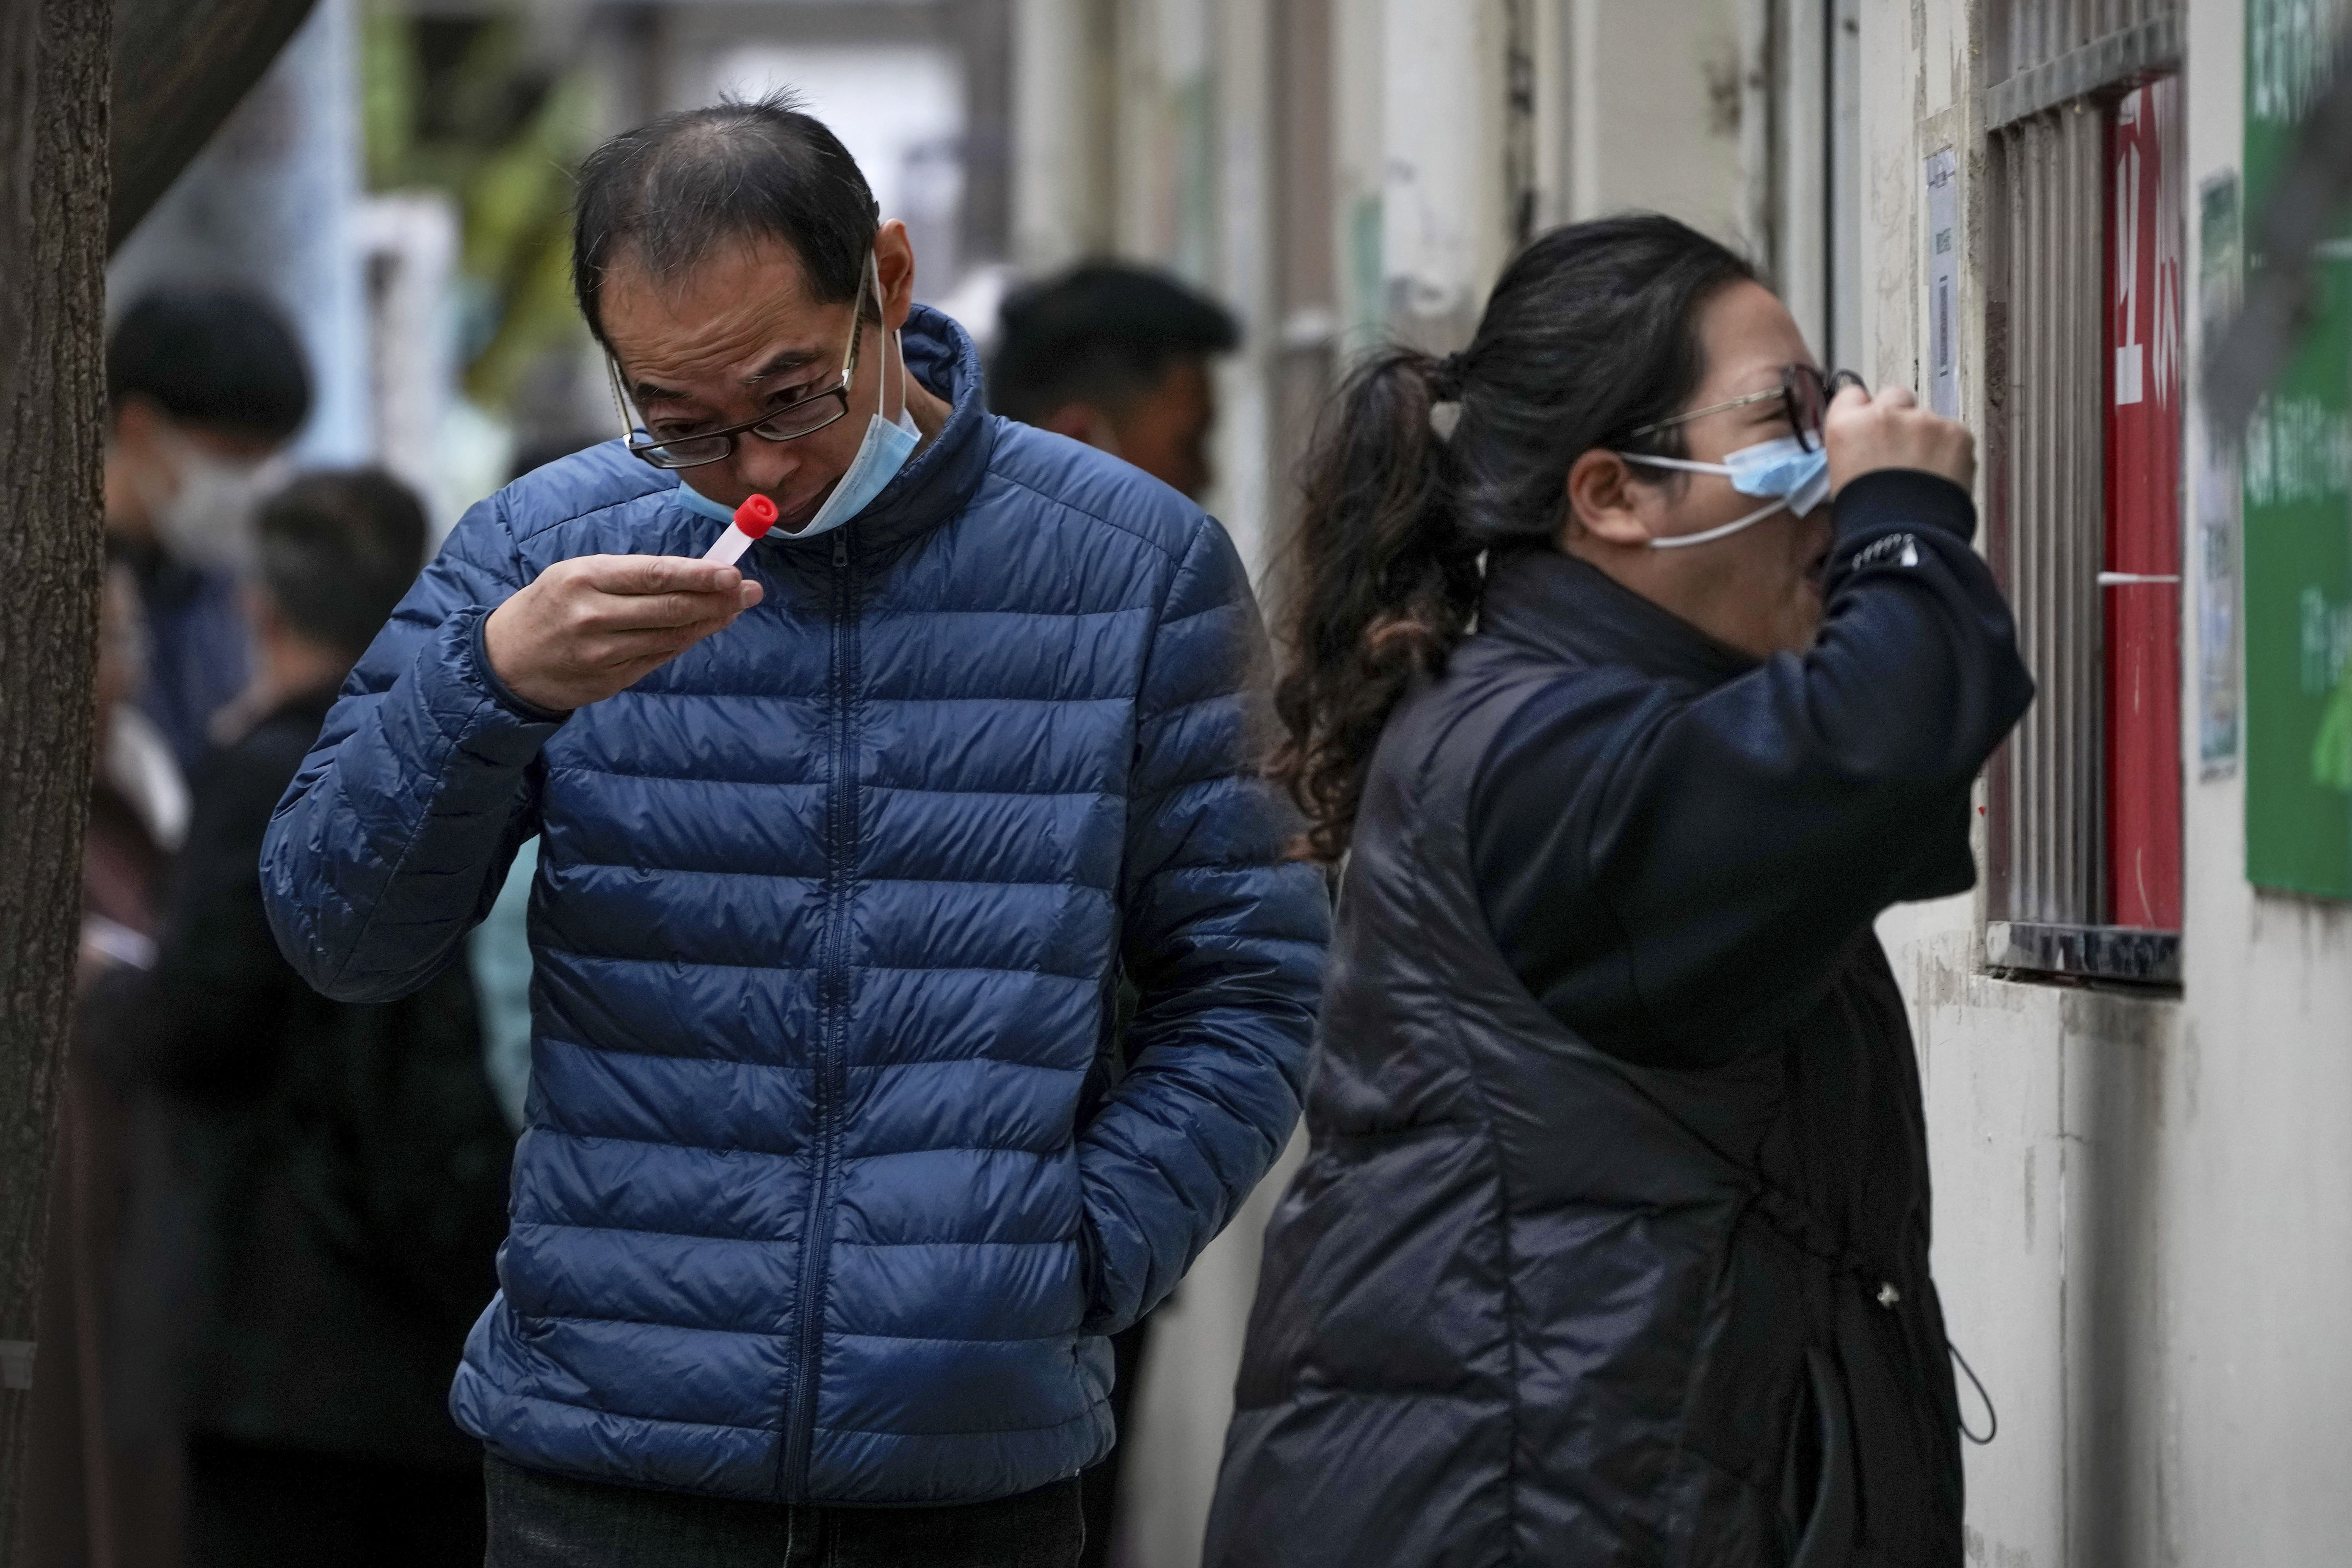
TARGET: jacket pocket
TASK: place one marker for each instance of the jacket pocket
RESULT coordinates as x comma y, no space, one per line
1817,1484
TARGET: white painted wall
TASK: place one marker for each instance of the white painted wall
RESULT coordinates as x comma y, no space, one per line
1442,188
1654,106
1060,154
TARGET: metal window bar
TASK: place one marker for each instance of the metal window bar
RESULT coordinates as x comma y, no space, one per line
2026,34
2048,834
2122,55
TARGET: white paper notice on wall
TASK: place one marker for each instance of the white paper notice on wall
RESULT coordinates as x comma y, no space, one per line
2130,385
1944,283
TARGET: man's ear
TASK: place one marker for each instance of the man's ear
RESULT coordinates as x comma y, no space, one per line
1083,422
894,259
135,422
1604,499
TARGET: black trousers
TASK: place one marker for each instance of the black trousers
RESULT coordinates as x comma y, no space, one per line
1101,1483
252,1507
549,1522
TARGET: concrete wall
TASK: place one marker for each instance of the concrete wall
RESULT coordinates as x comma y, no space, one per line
1656,109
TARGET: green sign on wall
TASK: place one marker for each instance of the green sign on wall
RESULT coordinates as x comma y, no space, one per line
2297,478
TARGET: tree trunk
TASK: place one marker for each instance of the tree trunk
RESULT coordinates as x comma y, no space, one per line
180,65
54,95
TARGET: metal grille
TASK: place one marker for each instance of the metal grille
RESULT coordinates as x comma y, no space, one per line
2043,329
2029,33
2048,53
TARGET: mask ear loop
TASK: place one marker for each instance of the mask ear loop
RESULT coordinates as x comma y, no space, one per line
1682,540
1683,464
897,347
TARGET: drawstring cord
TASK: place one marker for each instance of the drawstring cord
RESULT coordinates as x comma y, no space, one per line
1992,1416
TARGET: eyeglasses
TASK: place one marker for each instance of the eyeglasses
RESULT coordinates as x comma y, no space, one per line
802,416
1805,393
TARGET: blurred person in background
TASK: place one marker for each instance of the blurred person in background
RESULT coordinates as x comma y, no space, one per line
204,389
1631,704
349,1161
1118,357
826,1210
102,1483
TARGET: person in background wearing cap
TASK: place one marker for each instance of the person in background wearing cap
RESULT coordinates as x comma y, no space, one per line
204,388
1116,356
825,1208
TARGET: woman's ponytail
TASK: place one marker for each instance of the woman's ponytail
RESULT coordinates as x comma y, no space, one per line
1385,585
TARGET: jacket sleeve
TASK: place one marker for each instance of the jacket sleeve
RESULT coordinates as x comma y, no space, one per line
1745,838
394,838
1223,937
208,1015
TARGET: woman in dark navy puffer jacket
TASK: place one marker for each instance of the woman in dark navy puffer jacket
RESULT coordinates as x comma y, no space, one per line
821,1198
1612,1246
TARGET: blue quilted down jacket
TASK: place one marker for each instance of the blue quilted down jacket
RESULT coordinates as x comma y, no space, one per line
825,1194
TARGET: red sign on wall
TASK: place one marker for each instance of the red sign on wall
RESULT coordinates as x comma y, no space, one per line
2141,586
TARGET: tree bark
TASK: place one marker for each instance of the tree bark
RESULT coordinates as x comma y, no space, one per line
180,65
54,100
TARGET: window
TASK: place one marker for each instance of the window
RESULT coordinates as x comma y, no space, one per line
2083,385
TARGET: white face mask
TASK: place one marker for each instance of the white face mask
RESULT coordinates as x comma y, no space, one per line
209,518
1796,479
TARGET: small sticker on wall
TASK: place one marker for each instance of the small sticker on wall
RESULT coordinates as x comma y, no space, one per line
1944,283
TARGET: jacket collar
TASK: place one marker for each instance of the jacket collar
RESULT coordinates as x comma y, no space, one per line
1558,606
941,479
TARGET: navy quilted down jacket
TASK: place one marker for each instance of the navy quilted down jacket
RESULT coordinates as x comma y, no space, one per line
822,1196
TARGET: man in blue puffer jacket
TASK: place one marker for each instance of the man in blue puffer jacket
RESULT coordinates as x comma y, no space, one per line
823,1207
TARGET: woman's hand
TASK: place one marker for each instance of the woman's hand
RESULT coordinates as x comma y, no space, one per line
1863,434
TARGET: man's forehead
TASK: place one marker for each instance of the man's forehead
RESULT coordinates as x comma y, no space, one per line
745,299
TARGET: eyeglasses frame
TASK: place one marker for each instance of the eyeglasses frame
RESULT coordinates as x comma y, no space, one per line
644,451
1831,384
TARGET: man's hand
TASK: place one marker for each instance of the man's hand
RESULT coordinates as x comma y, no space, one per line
588,628
1892,431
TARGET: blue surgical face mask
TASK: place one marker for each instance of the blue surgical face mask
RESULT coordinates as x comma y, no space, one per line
1796,480
888,444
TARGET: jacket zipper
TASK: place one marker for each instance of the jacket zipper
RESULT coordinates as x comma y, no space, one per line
828,1082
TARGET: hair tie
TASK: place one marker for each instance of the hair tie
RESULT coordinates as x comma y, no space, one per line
1446,379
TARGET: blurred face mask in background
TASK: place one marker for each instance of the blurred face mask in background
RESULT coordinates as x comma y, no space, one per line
1796,479
209,518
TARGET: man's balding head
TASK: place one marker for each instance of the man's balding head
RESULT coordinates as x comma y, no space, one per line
663,197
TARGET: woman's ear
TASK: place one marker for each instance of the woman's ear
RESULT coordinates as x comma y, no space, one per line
1605,500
